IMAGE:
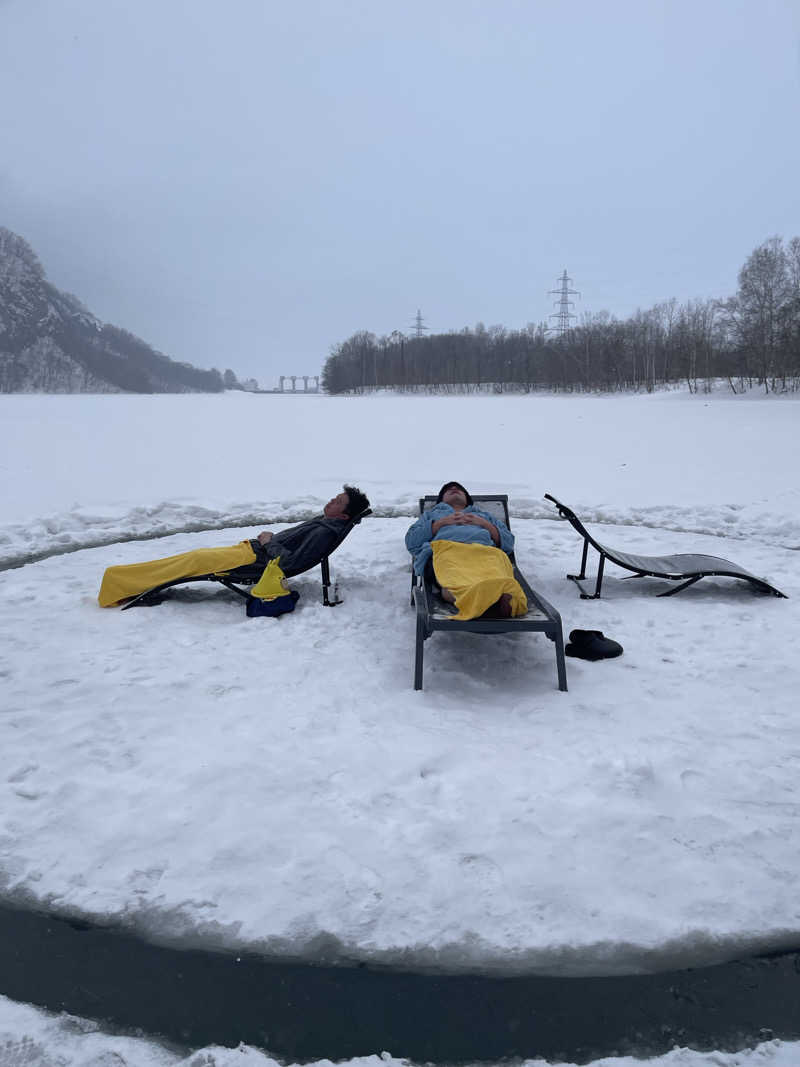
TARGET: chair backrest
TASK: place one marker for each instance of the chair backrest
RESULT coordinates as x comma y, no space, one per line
351,523
346,528
575,522
496,504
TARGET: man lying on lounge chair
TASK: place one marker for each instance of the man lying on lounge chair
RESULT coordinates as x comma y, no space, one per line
299,548
467,547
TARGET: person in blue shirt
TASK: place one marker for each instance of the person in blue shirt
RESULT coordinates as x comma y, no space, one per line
455,519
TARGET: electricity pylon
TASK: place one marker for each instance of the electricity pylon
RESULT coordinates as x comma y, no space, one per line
419,327
564,304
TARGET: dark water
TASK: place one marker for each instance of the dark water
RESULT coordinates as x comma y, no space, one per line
300,1012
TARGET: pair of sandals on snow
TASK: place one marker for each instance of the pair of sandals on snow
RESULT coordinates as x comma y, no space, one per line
592,645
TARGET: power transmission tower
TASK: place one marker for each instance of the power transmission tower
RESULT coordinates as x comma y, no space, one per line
419,327
564,304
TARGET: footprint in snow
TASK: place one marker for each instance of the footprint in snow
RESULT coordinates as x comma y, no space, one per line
22,773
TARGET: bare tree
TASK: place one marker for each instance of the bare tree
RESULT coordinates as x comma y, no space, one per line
760,308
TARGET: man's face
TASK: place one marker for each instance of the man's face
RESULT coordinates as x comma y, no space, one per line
454,497
337,506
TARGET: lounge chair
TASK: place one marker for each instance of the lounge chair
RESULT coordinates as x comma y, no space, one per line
686,568
248,575
434,613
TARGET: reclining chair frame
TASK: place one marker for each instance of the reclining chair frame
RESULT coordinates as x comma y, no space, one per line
248,575
686,568
433,613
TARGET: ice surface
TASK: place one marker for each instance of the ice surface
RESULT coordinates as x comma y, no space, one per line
33,1038
277,784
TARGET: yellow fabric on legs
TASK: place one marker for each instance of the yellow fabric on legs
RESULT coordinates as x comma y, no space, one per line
477,576
128,580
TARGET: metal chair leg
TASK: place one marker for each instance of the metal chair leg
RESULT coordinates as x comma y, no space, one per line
576,578
326,583
419,651
599,583
580,577
561,665
683,585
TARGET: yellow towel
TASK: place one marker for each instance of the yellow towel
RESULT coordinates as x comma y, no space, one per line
120,583
477,576
272,582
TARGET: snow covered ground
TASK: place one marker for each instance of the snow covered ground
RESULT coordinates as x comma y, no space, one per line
209,779
87,470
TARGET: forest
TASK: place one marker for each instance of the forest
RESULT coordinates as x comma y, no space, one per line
750,339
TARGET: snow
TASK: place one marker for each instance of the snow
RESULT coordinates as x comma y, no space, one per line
33,1038
87,470
213,780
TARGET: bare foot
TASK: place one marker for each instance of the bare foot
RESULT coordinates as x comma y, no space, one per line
501,609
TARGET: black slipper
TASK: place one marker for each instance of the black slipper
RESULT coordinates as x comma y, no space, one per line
592,645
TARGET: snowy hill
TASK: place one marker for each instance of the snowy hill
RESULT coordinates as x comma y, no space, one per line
50,343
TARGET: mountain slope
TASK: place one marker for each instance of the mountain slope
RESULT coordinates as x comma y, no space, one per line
50,343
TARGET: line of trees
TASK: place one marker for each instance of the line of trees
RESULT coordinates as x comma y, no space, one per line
753,338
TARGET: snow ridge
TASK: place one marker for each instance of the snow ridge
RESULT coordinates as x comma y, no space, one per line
80,528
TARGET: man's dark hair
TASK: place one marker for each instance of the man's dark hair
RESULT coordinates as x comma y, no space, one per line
458,485
357,501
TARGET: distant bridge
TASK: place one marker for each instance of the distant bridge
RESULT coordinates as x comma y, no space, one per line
294,379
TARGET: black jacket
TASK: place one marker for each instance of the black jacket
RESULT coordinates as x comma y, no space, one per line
302,547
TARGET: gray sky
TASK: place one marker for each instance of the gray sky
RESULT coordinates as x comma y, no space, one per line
245,183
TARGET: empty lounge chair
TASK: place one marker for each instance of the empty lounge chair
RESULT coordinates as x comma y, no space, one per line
686,568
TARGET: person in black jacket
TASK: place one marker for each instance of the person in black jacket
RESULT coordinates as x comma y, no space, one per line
299,548
302,547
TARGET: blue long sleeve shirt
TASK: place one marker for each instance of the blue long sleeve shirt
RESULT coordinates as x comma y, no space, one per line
420,535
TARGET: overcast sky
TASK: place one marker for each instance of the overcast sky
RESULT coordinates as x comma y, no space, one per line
245,183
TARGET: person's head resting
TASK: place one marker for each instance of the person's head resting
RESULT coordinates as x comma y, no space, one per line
348,504
454,494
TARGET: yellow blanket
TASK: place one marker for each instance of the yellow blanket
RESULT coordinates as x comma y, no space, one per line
120,583
477,576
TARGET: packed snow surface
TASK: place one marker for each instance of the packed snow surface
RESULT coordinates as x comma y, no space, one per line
277,783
